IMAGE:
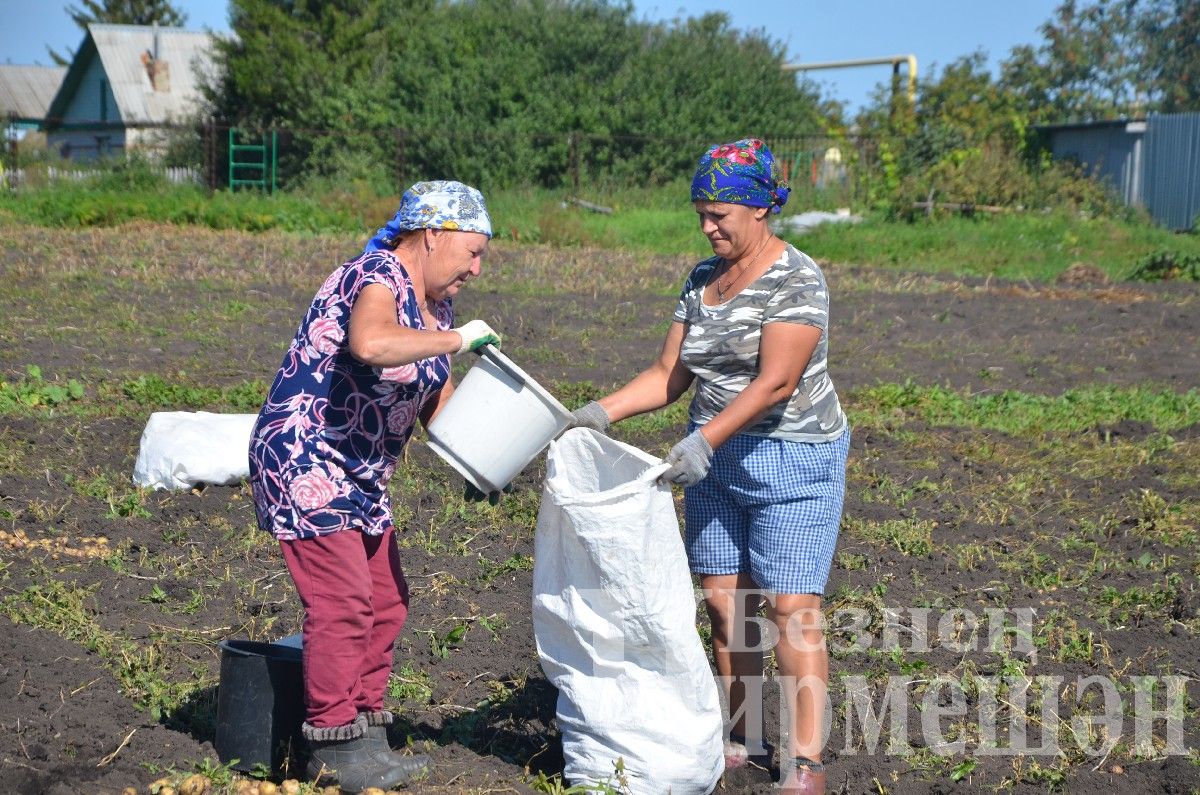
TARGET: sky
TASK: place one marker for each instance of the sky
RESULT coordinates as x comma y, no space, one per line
936,31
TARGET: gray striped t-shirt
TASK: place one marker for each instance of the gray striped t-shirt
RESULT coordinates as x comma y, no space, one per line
721,346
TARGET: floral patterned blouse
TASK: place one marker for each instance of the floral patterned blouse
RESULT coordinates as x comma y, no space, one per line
328,436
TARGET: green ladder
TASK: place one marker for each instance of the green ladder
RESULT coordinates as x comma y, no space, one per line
803,168
254,158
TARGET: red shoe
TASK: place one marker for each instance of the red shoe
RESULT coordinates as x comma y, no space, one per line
806,778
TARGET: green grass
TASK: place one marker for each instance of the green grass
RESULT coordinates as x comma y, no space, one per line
151,391
410,684
82,206
907,536
1026,246
649,220
657,220
1020,413
33,395
33,391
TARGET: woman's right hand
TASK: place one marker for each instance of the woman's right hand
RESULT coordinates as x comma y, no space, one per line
475,334
591,416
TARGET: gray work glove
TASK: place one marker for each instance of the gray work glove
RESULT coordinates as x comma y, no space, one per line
689,461
591,416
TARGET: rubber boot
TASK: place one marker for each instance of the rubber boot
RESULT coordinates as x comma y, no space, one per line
346,756
377,723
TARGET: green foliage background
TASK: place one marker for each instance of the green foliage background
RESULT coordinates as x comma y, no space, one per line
500,92
367,96
971,138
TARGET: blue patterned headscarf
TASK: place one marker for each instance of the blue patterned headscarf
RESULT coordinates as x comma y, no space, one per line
438,204
743,172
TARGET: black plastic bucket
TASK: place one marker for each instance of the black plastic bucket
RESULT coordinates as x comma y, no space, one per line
260,706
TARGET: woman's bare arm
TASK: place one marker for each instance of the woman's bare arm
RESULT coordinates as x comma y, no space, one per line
378,340
658,385
783,355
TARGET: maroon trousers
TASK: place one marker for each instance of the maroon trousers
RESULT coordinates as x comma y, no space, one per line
355,602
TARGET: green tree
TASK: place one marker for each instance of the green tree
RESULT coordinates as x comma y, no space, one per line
121,12
925,148
671,90
315,67
1171,30
964,141
1089,66
498,92
490,91
1109,59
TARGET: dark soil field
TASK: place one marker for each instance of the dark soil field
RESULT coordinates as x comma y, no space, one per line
1024,485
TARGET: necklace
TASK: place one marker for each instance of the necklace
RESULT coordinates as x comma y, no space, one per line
722,290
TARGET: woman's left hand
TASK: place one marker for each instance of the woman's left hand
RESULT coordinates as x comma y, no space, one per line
689,460
472,494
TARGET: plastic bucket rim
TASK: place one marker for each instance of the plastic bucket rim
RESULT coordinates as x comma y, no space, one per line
242,647
504,363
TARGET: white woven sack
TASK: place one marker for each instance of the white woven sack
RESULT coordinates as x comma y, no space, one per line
181,449
614,616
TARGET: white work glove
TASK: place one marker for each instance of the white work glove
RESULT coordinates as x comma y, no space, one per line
591,416
476,333
689,460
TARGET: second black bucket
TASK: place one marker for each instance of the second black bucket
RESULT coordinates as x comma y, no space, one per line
260,706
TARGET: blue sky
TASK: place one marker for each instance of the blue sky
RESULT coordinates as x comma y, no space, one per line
936,31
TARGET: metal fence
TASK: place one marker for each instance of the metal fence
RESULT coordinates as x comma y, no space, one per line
1110,151
1172,169
15,178
833,170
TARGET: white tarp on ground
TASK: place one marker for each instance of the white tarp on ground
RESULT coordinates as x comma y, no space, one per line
803,222
182,449
614,616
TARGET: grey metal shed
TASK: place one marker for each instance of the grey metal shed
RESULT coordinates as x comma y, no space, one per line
1109,150
1153,163
1172,173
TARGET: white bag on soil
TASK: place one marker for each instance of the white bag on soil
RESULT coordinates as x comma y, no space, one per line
614,616
181,449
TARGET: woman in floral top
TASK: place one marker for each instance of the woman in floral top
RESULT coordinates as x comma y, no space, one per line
371,356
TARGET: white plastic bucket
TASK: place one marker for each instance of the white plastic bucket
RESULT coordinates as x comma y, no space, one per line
496,422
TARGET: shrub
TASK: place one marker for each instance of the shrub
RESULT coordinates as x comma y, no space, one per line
1167,265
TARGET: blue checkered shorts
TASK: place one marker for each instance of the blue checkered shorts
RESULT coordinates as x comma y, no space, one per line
770,507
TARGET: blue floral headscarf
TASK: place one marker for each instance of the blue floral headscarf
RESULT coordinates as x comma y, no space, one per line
438,204
743,172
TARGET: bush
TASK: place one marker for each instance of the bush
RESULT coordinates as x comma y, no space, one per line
993,174
113,199
1165,266
968,141
500,93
